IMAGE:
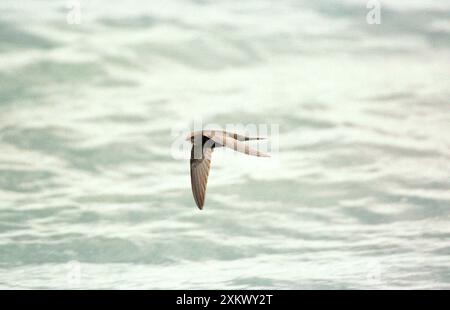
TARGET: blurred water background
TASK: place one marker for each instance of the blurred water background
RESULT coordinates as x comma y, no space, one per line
357,197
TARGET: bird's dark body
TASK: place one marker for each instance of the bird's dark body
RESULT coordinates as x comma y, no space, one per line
207,141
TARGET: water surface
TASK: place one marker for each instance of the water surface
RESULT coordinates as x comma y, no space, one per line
357,197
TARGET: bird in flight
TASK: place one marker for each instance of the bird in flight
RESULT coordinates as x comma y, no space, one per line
203,144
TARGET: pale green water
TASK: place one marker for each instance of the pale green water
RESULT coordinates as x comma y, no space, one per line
358,196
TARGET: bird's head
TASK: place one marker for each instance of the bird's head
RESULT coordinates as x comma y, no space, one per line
194,136
190,137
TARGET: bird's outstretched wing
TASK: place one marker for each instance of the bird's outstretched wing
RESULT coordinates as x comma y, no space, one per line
224,139
199,173
209,133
